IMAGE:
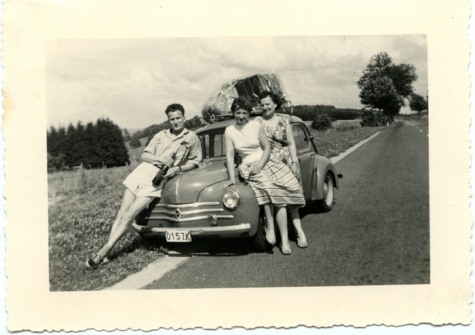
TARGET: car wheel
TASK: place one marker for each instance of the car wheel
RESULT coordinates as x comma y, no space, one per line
326,204
258,241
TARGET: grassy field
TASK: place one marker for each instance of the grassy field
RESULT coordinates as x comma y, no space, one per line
342,136
136,153
340,123
83,205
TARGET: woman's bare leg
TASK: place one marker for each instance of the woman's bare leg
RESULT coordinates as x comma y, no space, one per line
301,238
281,218
270,229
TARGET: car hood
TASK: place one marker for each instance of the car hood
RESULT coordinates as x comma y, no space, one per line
185,188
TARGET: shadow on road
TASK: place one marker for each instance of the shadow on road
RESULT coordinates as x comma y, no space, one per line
204,247
309,209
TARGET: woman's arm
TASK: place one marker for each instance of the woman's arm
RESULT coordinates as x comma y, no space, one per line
293,150
265,145
229,160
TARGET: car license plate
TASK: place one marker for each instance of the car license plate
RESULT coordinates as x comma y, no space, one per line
178,236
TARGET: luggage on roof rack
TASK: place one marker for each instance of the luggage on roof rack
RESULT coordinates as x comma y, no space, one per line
218,106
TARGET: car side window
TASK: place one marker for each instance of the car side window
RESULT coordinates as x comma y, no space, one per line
213,145
303,135
301,141
219,146
298,144
204,145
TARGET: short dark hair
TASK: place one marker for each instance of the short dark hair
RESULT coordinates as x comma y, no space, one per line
241,103
174,108
275,98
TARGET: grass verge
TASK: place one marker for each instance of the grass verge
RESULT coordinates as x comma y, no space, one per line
332,142
79,225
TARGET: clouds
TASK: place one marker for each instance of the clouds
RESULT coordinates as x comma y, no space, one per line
132,81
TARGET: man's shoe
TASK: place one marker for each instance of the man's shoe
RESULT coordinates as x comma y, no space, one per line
94,261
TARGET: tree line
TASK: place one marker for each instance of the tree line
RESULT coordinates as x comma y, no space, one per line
310,112
94,145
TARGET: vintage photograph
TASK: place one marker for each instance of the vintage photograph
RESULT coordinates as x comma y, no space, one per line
220,164
237,162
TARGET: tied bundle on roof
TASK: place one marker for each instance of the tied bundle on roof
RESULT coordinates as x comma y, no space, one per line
216,106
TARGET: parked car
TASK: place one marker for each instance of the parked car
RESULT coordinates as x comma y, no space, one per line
195,204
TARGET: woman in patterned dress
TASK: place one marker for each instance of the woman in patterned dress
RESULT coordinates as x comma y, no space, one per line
279,132
272,181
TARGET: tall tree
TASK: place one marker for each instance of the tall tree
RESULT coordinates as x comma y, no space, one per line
126,135
80,145
385,85
417,103
402,75
111,145
380,93
52,141
68,146
92,158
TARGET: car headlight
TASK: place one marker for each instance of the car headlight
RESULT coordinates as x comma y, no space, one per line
231,199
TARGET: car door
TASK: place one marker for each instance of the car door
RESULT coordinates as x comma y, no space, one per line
306,155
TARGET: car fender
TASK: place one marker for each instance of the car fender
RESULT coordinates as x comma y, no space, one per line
323,166
248,209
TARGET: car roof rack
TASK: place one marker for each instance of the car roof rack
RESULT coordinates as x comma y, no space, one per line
220,117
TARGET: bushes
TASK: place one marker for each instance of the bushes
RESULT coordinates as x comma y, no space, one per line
135,142
370,118
56,163
322,122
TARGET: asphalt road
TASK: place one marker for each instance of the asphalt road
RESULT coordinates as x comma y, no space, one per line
376,234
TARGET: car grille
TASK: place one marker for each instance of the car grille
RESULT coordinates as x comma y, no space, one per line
188,212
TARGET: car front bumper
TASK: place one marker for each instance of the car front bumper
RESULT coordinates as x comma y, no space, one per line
224,231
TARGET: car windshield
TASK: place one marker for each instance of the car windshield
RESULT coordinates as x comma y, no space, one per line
212,143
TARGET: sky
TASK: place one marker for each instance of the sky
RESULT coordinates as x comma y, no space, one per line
131,81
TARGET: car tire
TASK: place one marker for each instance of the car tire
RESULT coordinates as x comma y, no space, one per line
258,241
325,205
